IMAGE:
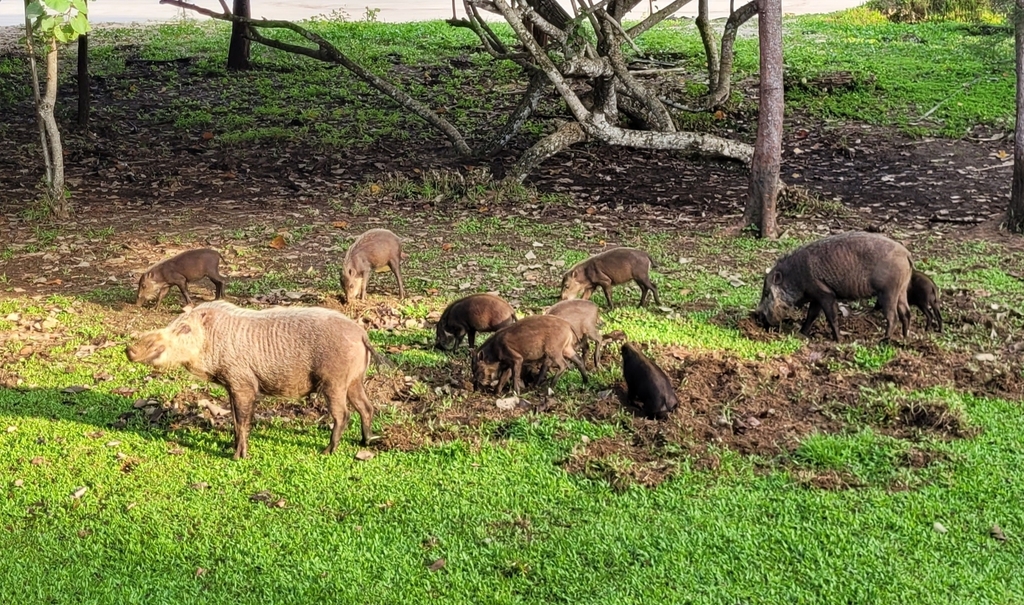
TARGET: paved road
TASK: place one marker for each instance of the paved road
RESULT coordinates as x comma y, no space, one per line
11,11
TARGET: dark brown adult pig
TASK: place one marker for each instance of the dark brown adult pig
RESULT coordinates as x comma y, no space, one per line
285,351
923,294
189,266
847,266
376,250
647,385
607,269
469,315
585,318
544,339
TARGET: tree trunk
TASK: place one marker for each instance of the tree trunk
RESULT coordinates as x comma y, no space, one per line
238,51
58,201
1015,213
766,163
719,94
37,96
84,82
707,36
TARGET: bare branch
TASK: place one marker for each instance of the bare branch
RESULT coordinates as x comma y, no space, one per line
656,18
659,115
526,107
224,5
543,61
328,53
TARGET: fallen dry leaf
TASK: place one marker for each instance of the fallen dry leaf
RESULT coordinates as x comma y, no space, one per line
74,390
364,455
997,533
38,461
200,485
80,492
375,188
436,565
200,572
446,246
339,224
277,243
207,135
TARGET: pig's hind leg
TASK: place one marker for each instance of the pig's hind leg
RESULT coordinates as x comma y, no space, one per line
396,268
363,405
337,403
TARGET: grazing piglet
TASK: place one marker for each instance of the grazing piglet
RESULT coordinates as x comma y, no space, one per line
584,317
179,270
538,338
472,314
375,250
647,384
285,351
607,269
846,266
923,294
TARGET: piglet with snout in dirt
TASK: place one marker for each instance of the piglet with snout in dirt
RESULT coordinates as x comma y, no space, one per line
647,384
374,251
847,266
607,269
543,339
179,270
469,315
585,319
284,351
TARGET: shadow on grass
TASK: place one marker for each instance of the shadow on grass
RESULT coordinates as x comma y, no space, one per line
105,415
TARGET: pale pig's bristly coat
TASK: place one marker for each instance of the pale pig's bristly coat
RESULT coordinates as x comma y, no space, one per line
282,351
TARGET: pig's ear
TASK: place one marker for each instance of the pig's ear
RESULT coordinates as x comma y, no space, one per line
183,329
777,278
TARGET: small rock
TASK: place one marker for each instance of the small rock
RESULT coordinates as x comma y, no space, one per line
585,440
985,357
753,422
530,255
200,485
940,528
996,532
507,403
74,390
11,429
19,483
364,455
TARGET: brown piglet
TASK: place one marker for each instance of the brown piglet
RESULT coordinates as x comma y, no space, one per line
179,270
545,339
607,269
469,315
374,251
585,318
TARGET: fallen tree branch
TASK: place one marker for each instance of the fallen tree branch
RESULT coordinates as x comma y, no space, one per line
656,18
328,53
